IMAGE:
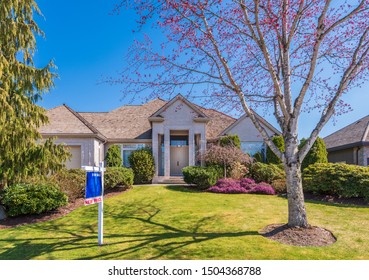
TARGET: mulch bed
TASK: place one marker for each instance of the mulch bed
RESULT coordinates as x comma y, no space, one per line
50,215
336,200
298,236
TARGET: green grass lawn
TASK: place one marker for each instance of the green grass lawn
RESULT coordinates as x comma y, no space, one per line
157,222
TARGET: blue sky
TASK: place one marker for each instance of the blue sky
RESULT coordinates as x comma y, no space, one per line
87,43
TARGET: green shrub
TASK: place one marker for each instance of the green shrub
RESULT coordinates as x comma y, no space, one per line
230,141
202,177
22,199
72,182
113,156
143,166
341,180
118,176
270,156
262,172
317,154
258,157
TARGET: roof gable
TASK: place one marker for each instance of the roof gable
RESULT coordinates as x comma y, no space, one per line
355,132
263,122
179,97
63,120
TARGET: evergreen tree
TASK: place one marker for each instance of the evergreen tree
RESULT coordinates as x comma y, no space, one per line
22,84
230,140
113,157
317,154
270,155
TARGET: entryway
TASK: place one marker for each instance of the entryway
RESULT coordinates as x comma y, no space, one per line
179,153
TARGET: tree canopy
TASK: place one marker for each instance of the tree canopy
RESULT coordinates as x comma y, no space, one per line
22,84
289,56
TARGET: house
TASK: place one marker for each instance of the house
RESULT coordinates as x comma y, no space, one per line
350,144
177,132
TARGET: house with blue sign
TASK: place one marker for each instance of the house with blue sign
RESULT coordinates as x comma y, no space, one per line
177,131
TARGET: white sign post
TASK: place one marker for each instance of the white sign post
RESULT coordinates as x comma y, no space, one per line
95,194
101,208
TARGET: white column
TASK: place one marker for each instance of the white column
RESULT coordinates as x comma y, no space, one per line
166,152
191,147
155,151
202,146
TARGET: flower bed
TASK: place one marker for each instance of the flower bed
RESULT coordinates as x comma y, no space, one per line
245,185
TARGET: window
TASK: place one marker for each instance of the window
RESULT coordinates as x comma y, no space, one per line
128,149
179,141
252,148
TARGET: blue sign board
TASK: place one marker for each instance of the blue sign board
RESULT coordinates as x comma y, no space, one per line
93,188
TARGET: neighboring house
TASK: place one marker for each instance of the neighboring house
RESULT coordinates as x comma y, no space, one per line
177,132
350,144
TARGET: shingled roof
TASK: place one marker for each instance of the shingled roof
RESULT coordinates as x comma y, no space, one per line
124,123
65,121
352,135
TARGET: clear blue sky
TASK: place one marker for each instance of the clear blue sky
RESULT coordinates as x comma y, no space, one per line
88,43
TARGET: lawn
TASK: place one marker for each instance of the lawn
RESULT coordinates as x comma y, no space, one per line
158,222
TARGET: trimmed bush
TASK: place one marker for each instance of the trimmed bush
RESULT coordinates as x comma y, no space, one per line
270,156
22,199
118,176
143,166
230,141
72,182
245,185
341,180
262,172
317,154
113,156
202,177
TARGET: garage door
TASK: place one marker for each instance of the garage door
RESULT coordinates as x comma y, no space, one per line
75,161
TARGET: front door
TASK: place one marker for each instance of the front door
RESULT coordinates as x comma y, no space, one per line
178,159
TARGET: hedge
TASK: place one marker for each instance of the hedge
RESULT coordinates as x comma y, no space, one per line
202,177
341,180
262,172
22,199
118,176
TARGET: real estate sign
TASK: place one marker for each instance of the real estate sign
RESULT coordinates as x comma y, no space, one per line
93,188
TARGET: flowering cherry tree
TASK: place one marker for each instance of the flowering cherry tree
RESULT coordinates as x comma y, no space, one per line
291,56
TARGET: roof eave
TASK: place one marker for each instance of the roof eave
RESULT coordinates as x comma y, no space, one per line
348,146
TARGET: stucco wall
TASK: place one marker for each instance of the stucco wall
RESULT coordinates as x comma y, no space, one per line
89,148
247,132
364,156
346,156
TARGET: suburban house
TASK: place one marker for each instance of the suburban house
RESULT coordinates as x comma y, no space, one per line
350,144
177,132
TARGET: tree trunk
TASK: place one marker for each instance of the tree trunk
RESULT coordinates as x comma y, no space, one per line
296,205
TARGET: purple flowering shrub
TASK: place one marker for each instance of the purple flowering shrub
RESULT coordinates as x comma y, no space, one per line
227,186
245,185
262,188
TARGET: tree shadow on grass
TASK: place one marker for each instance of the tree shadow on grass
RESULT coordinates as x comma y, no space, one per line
164,241
183,188
333,201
